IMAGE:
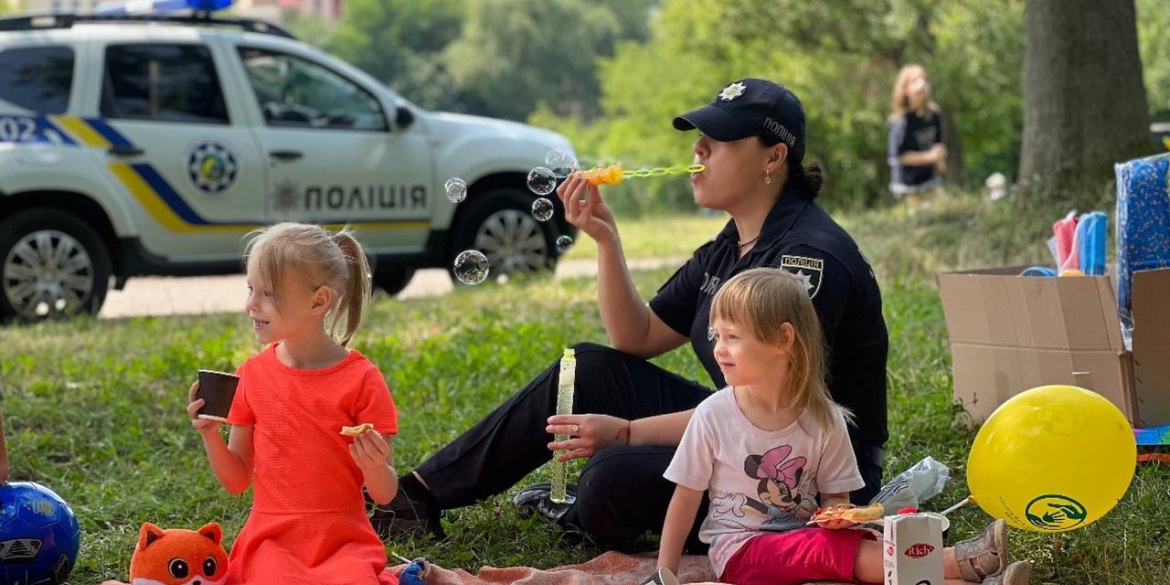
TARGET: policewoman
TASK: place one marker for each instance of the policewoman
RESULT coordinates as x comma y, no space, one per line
751,139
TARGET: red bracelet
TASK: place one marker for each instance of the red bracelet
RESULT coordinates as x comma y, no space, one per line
629,427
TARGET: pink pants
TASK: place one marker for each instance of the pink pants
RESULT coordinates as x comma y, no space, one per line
796,557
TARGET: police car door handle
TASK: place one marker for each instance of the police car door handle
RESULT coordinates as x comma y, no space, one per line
286,154
125,150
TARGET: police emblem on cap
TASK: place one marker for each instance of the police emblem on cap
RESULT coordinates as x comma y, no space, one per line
732,91
807,270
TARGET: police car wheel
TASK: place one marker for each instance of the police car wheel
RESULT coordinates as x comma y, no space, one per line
52,265
500,225
392,278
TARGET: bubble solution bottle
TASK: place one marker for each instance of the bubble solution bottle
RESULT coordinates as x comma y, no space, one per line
565,385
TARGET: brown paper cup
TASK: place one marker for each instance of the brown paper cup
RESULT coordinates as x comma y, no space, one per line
217,389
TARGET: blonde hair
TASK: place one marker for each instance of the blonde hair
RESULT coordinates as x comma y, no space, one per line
900,101
762,300
335,260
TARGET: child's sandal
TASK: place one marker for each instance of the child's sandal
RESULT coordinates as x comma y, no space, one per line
1016,574
983,556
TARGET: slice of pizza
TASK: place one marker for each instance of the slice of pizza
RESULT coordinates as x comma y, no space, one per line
870,513
358,430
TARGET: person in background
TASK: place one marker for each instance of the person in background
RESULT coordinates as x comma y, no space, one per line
917,154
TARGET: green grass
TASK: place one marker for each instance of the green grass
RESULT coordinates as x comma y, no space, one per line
674,236
94,409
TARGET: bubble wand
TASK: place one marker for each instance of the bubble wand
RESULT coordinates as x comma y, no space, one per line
543,180
565,386
614,174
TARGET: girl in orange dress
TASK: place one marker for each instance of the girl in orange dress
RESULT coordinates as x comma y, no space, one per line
308,523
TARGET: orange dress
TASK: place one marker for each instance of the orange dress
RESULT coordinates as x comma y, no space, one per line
308,523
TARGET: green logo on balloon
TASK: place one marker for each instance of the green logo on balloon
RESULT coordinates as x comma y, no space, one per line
1055,512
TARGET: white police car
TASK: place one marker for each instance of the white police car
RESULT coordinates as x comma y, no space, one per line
149,144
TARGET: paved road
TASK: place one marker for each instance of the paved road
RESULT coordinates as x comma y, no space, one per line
225,294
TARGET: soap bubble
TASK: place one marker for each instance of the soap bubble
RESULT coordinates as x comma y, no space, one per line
542,209
564,243
554,158
542,181
471,267
456,189
561,163
588,162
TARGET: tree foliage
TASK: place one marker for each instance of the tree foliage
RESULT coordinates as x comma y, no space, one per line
840,58
611,74
401,42
514,54
491,57
1153,18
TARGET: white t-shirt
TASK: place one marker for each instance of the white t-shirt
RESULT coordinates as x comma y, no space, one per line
758,480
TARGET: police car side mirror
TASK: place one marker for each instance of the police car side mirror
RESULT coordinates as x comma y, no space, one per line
403,117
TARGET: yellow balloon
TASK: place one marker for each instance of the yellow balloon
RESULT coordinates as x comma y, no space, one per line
1052,459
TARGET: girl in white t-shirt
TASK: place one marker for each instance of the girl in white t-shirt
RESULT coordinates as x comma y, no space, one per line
772,447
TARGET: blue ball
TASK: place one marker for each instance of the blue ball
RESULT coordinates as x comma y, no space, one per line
1038,271
39,535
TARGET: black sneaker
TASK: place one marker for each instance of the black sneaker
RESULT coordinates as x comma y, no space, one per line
413,513
536,499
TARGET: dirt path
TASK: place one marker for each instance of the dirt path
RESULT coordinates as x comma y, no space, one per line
157,296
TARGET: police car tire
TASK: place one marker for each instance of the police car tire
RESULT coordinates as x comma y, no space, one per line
481,209
392,278
15,228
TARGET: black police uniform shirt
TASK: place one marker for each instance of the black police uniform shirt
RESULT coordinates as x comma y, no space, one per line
913,133
797,236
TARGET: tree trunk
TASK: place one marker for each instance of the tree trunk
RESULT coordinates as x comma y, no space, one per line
1084,102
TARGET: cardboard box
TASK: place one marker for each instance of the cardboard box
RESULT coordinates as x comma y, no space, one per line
1010,333
912,551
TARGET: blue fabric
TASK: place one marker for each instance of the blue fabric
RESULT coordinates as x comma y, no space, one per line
1090,239
413,574
1143,224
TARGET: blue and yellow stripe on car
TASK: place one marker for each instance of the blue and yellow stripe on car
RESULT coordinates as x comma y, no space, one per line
33,130
82,131
161,200
167,208
108,132
92,132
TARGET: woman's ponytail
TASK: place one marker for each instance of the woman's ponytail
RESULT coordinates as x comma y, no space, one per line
357,291
809,178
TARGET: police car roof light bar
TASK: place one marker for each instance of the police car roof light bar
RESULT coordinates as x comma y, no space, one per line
161,6
61,21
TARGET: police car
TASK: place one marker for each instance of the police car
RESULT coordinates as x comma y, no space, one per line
150,144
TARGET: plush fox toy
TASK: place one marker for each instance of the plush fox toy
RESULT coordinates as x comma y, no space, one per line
178,557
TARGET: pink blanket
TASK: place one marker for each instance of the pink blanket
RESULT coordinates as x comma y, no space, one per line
611,568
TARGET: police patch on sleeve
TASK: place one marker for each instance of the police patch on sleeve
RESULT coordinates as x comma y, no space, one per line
808,270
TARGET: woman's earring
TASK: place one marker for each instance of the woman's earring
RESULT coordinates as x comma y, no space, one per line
767,177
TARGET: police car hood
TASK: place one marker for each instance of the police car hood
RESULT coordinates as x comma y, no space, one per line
464,128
